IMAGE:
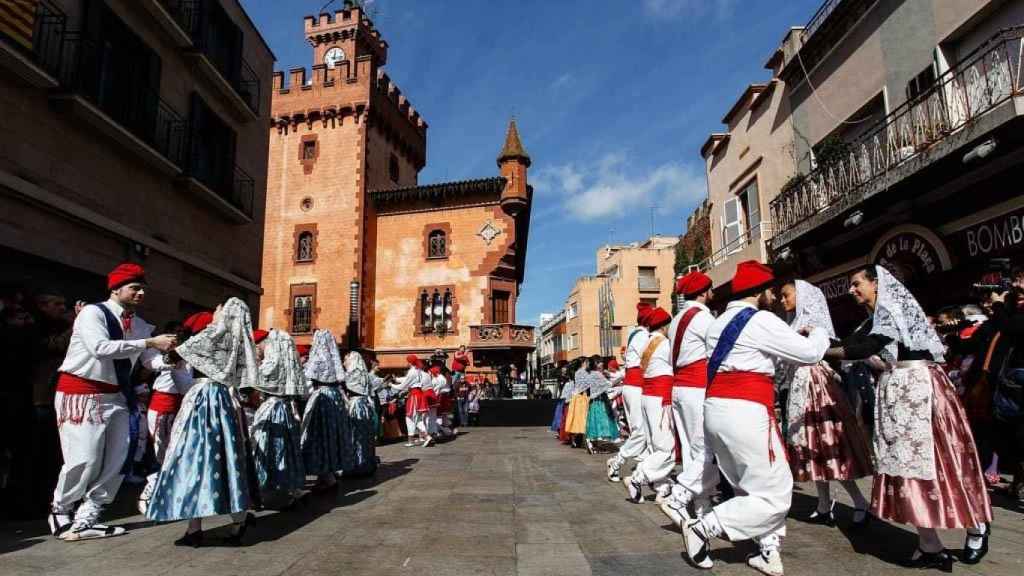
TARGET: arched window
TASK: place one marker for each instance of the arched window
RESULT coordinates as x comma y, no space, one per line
437,244
393,171
304,251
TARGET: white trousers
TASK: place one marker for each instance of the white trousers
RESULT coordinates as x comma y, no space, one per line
660,460
636,445
417,423
737,433
94,451
700,474
159,426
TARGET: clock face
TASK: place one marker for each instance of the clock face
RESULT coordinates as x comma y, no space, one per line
333,56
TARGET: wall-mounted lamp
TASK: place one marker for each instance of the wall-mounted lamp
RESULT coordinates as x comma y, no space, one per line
854,219
981,151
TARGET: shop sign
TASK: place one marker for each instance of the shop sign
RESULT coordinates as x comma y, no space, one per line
835,287
995,236
908,248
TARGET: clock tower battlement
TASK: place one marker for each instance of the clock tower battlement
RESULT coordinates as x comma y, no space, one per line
349,30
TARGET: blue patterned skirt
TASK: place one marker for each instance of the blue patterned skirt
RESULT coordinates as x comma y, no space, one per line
277,451
361,456
556,422
205,470
324,431
601,424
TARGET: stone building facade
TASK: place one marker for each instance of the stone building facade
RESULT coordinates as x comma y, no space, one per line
134,130
356,245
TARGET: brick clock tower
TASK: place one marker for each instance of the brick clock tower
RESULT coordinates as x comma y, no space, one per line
352,243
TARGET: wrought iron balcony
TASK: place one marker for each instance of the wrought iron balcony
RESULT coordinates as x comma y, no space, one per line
227,186
85,71
906,139
486,336
30,41
762,232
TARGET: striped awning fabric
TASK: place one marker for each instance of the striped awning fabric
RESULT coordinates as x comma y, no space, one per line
17,20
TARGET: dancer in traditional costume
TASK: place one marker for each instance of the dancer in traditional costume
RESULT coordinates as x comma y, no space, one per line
276,432
361,453
656,409
416,409
443,391
601,424
689,351
325,422
824,439
94,395
635,446
206,469
928,473
173,381
579,406
739,420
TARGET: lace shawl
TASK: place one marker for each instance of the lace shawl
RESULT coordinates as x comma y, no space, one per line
899,317
224,351
811,309
281,371
357,377
324,363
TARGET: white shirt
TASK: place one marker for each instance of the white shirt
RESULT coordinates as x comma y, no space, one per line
426,380
91,352
170,378
410,380
660,363
765,337
693,347
440,384
617,377
635,347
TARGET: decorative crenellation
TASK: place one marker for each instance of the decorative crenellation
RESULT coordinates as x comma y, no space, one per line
386,87
346,24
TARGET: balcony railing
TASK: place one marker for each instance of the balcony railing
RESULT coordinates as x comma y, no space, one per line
184,12
819,18
501,336
983,80
762,232
38,36
648,284
85,69
230,183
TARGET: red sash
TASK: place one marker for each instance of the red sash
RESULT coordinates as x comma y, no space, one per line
693,375
416,402
684,322
71,384
634,376
165,402
660,386
750,386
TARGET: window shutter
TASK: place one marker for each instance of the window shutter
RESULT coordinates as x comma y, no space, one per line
731,225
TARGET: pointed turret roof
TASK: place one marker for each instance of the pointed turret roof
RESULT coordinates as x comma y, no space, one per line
513,148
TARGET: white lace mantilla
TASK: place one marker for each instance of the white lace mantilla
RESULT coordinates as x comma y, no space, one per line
899,317
904,444
796,405
224,350
324,363
281,371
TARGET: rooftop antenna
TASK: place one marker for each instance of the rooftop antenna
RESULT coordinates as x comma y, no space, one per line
652,221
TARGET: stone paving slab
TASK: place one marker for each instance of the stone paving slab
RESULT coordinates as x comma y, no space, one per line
494,502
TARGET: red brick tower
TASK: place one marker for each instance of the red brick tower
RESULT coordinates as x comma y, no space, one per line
344,131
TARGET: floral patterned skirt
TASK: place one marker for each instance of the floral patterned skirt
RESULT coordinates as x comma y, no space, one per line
825,440
956,498
324,431
360,453
277,451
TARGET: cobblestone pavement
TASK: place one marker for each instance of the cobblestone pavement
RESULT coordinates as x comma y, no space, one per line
501,501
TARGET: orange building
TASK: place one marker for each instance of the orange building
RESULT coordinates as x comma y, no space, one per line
354,244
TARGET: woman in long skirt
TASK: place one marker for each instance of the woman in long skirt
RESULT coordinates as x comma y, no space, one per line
601,423
824,441
325,422
579,407
361,454
206,469
928,471
276,432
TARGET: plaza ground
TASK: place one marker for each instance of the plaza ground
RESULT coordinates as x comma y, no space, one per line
497,501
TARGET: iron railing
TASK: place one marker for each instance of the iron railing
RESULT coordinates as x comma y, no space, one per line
184,12
39,36
987,77
762,232
216,43
86,69
225,179
819,18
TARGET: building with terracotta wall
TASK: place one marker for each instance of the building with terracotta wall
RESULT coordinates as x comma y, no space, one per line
134,130
356,245
600,307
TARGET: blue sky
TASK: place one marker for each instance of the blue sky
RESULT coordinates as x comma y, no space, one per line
613,100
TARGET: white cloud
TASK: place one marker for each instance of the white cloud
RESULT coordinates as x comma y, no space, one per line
563,81
612,187
673,9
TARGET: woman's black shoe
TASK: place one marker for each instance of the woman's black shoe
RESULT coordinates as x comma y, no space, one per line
826,518
931,561
972,556
235,539
192,539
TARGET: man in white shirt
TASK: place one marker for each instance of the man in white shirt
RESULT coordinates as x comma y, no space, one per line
635,446
656,411
93,394
416,402
687,335
739,420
